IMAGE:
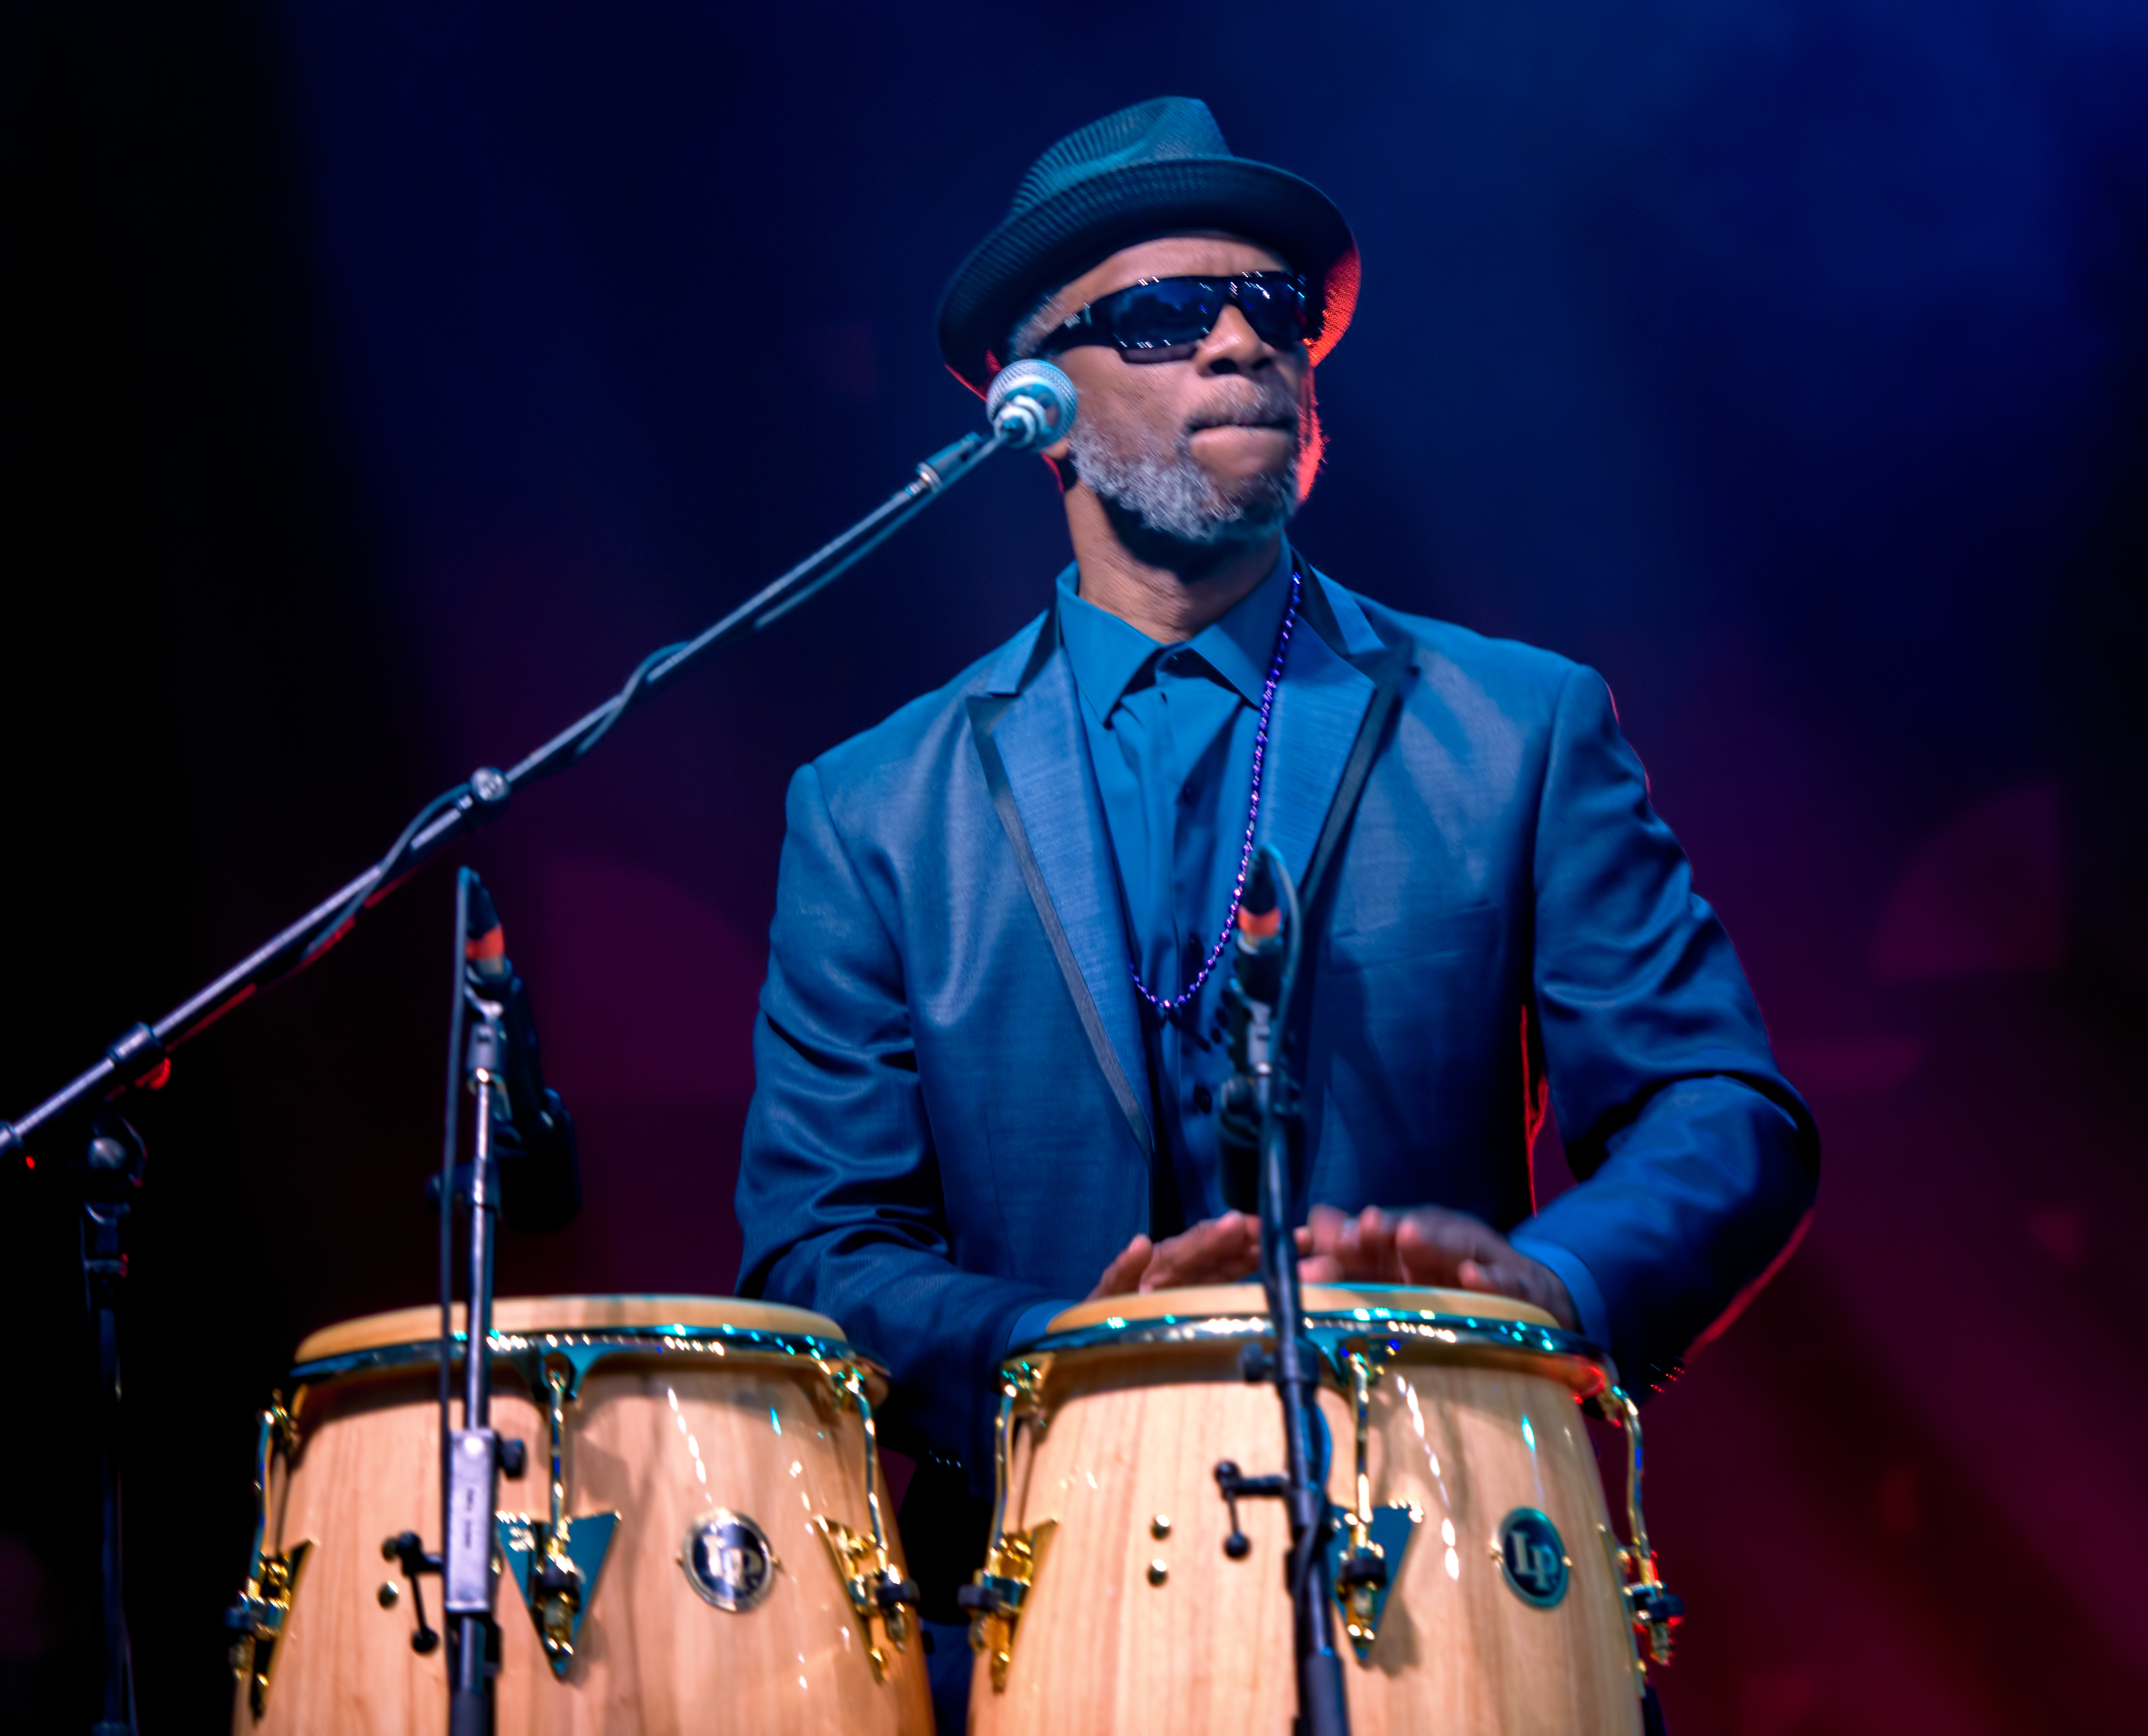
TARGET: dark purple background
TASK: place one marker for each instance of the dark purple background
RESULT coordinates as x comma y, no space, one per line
380,382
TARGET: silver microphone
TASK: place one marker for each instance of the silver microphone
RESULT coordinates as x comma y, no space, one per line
1030,403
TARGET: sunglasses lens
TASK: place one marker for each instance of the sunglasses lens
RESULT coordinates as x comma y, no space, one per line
1163,320
1275,307
1165,314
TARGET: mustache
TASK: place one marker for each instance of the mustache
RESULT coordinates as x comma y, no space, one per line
1273,405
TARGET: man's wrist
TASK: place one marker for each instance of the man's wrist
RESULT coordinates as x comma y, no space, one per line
1590,1317
1553,1297
1033,1322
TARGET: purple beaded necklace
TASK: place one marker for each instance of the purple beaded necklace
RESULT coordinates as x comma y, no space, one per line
1171,1007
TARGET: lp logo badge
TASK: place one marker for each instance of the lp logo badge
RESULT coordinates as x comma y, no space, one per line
728,1560
1533,1558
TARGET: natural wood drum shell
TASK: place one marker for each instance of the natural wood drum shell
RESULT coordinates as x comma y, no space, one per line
1136,1432
661,1438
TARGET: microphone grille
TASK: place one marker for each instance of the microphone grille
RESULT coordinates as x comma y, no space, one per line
1030,403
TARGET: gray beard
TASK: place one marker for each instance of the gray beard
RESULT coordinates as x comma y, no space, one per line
1169,496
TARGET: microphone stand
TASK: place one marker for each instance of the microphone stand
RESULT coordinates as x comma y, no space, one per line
1032,405
110,1170
470,1455
1294,1367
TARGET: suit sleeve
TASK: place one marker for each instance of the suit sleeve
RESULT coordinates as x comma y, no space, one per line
1697,1161
839,1191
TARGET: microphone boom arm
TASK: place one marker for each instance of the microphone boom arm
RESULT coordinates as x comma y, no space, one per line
140,1056
1030,404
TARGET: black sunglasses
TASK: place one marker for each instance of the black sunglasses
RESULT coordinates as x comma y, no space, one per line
1164,319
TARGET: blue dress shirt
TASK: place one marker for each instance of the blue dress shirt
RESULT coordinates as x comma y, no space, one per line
1171,729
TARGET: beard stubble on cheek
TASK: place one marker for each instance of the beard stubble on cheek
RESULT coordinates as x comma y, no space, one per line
1159,484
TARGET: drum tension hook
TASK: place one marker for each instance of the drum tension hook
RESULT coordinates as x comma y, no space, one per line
877,1589
407,1549
995,1597
1652,1608
1235,1484
556,1561
1366,1544
1656,1611
264,1601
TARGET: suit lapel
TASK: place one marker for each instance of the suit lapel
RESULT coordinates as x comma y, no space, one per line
1037,766
1318,709
1027,727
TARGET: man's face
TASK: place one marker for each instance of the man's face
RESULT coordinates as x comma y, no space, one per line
1205,451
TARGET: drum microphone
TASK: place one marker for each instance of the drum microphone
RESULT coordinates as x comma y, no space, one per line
1030,404
540,1177
1251,1000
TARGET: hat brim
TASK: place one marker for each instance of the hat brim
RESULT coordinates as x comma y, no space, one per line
1061,237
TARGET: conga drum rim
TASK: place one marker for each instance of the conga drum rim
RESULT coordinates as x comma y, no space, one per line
1410,1320
1195,1300
525,1329
521,1316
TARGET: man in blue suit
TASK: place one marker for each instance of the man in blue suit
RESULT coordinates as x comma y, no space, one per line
989,1046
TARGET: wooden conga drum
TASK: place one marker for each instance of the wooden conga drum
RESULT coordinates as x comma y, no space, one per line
721,1563
1123,1593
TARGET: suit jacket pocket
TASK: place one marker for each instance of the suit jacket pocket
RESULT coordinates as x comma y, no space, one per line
1407,934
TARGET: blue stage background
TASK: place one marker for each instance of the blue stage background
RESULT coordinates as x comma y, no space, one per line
381,382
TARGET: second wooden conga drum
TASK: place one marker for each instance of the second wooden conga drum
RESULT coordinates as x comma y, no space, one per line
718,1478
1111,1602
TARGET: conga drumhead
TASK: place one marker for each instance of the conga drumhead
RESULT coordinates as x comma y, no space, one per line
1208,1301
522,1315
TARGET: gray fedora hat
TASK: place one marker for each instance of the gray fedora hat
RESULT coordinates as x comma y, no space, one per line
1158,169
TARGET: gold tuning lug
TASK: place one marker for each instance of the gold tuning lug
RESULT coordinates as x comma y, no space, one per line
1653,1609
556,1562
877,1589
258,1618
995,1597
1366,1545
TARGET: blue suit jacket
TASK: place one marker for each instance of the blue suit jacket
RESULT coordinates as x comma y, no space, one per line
949,1122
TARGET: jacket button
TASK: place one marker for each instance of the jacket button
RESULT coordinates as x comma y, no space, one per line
1204,1100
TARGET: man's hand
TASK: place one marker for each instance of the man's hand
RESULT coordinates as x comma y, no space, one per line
1220,1250
1429,1244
